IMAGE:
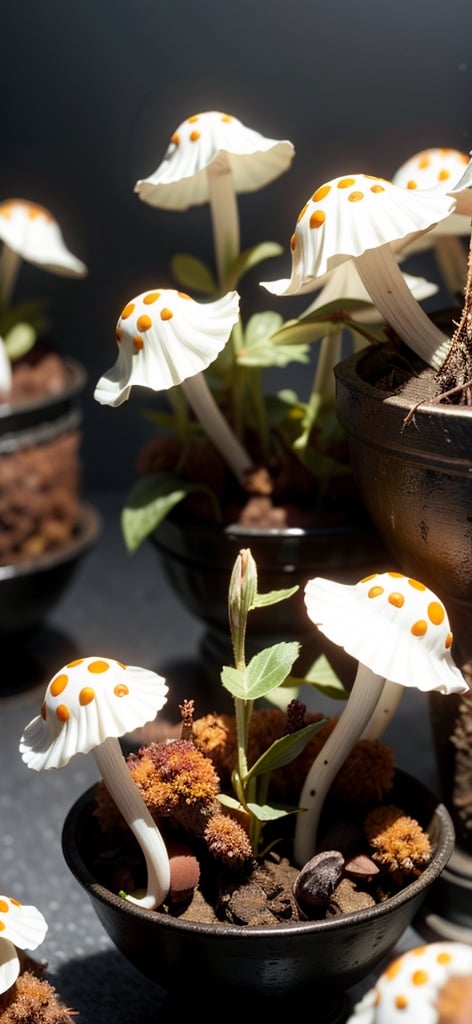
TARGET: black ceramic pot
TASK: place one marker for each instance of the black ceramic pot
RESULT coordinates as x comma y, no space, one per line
415,479
198,559
278,968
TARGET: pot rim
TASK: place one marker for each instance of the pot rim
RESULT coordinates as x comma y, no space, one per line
77,380
83,875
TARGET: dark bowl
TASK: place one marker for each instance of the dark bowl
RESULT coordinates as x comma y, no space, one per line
29,590
316,960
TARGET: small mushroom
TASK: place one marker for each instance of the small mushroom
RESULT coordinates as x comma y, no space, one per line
426,985
88,705
166,338
21,927
5,369
439,169
366,219
29,232
399,631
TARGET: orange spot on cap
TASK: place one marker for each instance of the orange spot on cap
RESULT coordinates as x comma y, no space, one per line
2,926
420,977
321,193
377,188
193,118
138,343
166,314
396,599
444,958
436,613
401,1002
448,642
183,295
375,592
121,690
416,584
346,182
394,968
293,241
396,575
317,219
194,136
354,197
419,628
151,297
144,323
411,184
62,712
118,333
86,696
4,906
16,902
372,576
98,666
302,212
444,175
175,138
72,664
58,684
424,161
226,118
127,311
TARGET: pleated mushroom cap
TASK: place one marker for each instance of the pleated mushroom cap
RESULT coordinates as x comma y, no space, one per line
206,141
350,215
392,624
165,337
21,926
86,702
32,232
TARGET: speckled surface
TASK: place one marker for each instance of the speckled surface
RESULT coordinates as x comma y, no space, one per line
120,606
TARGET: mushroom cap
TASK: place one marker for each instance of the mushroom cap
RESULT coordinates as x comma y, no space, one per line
392,624
344,282
86,702
20,926
218,141
440,169
32,232
408,989
349,215
165,337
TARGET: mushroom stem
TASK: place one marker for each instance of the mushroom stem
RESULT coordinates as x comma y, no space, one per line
361,704
451,258
387,705
5,368
9,267
215,425
329,353
112,767
224,216
381,275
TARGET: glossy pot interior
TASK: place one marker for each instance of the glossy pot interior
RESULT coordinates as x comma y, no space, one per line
310,959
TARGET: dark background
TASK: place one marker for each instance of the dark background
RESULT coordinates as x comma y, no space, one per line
90,92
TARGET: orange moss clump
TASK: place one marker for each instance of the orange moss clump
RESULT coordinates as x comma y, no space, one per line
398,842
32,1000
228,842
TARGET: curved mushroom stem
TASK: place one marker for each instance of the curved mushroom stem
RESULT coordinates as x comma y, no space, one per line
451,257
387,705
362,702
5,368
115,774
215,425
9,267
224,216
381,275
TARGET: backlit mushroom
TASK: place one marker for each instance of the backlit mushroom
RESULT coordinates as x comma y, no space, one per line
166,338
87,706
430,984
29,232
21,927
366,219
210,158
439,168
399,631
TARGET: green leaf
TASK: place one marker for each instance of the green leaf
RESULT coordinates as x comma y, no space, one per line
230,801
284,750
265,671
150,501
274,596
321,676
248,259
268,812
192,273
20,340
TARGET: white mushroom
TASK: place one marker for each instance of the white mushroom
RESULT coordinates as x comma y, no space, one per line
29,232
5,369
88,705
210,158
366,219
166,338
439,168
425,985
399,631
21,927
